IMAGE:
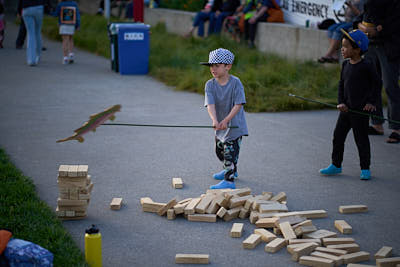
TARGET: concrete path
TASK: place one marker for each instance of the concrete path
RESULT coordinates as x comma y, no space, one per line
39,105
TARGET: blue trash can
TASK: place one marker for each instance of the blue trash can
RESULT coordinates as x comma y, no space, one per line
133,48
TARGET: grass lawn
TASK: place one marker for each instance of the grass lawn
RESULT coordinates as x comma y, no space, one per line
174,60
29,218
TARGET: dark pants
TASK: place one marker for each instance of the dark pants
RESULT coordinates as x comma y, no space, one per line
228,153
251,29
19,43
389,71
359,124
199,20
216,21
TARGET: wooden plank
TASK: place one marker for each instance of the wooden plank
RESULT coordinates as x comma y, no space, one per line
320,234
293,220
290,248
275,245
171,214
232,214
238,192
305,230
221,212
192,258
253,216
180,208
63,170
279,197
243,214
350,248
239,201
384,252
258,202
249,203
84,196
336,252
343,227
82,170
116,203
69,182
74,193
272,208
202,217
252,241
237,229
388,262
152,206
266,235
316,261
337,259
305,223
303,250
356,257
186,200
73,171
177,183
189,209
359,265
167,206
267,222
213,207
287,231
75,208
300,241
337,241
203,204
71,202
353,209
222,201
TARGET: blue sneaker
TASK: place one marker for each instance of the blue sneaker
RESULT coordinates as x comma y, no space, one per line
224,184
331,170
221,175
365,175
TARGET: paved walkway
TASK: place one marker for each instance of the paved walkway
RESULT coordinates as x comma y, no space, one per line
284,151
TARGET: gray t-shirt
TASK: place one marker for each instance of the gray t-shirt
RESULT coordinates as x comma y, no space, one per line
225,98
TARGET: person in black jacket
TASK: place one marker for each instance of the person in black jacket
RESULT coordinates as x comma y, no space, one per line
221,10
358,87
381,22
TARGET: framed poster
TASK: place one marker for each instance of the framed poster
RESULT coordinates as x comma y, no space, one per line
68,15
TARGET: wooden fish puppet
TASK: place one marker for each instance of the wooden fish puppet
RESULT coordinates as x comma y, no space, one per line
95,121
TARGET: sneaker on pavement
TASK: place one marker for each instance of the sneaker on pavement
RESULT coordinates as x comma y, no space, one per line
223,185
365,175
330,170
71,58
221,175
65,60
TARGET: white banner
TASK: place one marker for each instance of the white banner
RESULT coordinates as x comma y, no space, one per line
309,13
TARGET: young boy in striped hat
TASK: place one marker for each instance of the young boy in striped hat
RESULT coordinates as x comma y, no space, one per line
224,99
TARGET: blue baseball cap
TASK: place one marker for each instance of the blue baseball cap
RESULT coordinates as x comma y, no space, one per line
358,37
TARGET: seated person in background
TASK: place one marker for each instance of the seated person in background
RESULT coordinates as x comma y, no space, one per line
352,10
260,11
224,8
200,18
235,24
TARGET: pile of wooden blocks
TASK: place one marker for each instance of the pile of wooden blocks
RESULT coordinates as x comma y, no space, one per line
276,225
74,186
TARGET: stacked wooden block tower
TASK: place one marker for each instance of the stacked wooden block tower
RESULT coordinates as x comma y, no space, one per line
74,186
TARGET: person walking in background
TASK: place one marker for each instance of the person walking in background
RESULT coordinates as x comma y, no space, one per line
381,22
353,9
358,87
32,13
68,20
2,23
224,99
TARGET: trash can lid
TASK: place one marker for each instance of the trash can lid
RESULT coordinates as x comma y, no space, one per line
114,27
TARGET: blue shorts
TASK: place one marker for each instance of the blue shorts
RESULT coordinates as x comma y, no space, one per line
334,30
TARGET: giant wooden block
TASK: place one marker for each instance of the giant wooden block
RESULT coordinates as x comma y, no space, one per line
275,245
71,202
237,229
60,213
266,235
177,183
84,196
221,201
305,230
186,200
336,252
149,205
359,265
180,208
238,192
388,262
73,171
82,170
320,234
353,208
192,258
244,213
167,206
293,220
253,218
343,227
171,214
74,208
71,182
337,241
203,204
213,207
277,207
252,241
356,257
190,208
337,259
63,170
266,222
202,217
258,202
74,193
305,223
384,252
316,261
287,231
116,203
279,197
303,250
232,214
239,201
300,241
350,248
313,214
221,212
290,248
249,203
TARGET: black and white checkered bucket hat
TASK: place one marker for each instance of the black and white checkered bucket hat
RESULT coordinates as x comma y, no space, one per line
219,56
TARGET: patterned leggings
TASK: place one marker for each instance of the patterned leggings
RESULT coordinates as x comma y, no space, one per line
228,153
